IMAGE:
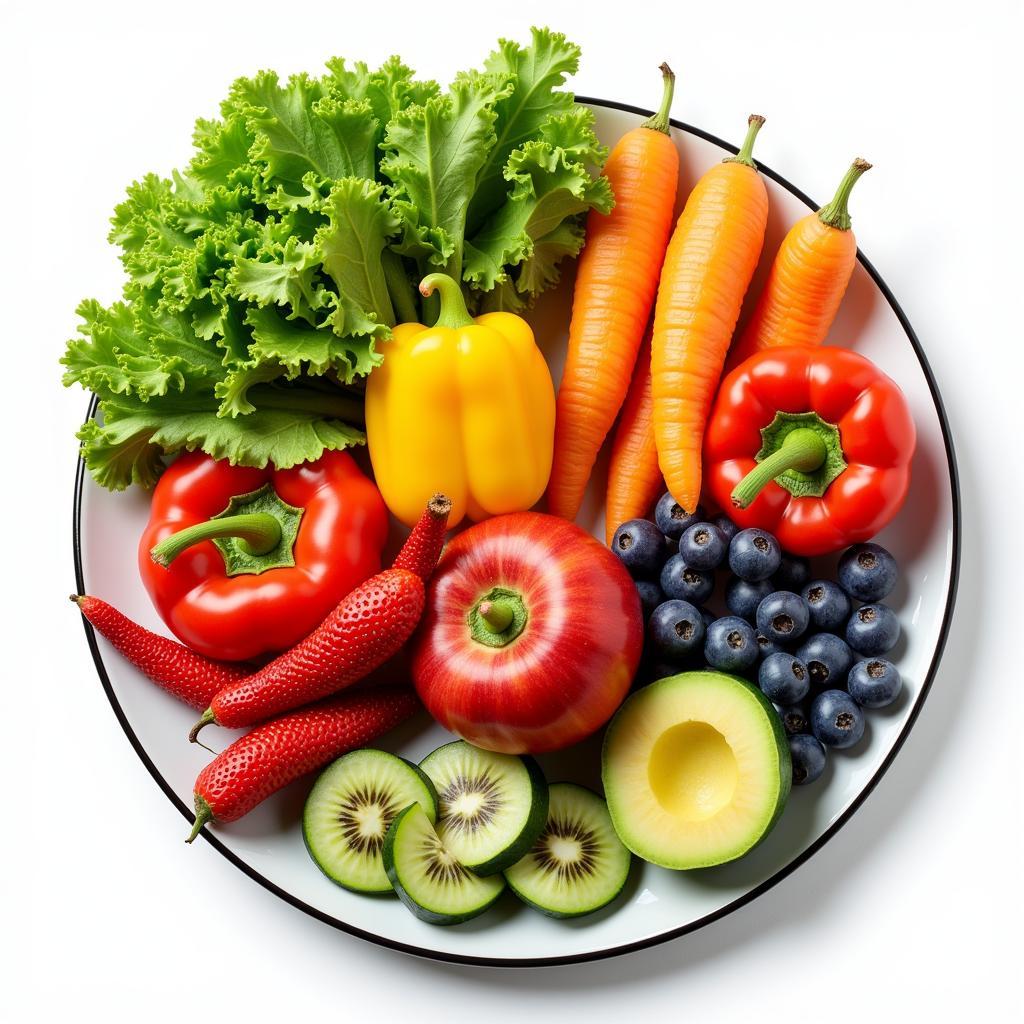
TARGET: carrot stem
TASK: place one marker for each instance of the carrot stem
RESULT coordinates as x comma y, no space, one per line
659,122
836,214
744,156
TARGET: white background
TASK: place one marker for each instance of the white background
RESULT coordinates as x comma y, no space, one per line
912,908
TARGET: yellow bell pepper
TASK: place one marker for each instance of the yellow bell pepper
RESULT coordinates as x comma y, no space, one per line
465,407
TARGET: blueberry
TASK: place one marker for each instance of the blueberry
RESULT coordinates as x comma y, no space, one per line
783,679
782,616
767,647
793,572
731,645
671,519
836,720
827,657
742,598
678,580
828,604
640,546
867,572
795,718
808,757
703,546
728,528
650,596
874,683
676,629
754,555
873,629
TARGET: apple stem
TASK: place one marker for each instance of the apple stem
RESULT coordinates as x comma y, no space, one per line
497,615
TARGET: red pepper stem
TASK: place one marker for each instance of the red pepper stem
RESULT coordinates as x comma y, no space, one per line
497,615
258,533
803,449
453,313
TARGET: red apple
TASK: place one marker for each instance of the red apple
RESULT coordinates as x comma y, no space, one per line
531,637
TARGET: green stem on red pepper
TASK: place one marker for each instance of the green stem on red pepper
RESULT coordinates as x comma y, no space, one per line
800,452
254,533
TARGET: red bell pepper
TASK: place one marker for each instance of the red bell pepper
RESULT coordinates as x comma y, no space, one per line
240,562
813,445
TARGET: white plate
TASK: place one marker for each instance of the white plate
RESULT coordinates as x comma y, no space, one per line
657,904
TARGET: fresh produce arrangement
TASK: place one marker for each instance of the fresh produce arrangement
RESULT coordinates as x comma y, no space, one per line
360,252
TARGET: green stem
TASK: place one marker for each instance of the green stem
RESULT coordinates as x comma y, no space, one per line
203,815
744,156
338,406
497,615
453,313
205,719
836,214
659,122
803,450
399,287
257,533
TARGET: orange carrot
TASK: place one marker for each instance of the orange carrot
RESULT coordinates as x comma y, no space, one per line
708,266
634,479
616,280
808,278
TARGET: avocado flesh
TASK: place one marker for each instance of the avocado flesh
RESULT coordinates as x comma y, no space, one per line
696,770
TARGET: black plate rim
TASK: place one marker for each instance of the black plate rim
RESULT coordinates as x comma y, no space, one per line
740,901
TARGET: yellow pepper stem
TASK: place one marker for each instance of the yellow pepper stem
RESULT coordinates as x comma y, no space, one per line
453,313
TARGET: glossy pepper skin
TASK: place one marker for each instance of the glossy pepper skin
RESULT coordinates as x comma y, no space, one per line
466,407
337,546
861,408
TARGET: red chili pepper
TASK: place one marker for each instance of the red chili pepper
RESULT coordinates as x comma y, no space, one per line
813,445
371,624
268,758
242,561
182,673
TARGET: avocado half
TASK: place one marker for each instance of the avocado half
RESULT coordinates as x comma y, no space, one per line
696,770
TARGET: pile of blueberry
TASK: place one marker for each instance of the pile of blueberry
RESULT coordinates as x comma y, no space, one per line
814,652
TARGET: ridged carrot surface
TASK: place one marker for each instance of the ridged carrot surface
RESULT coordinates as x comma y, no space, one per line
634,477
616,281
808,279
710,261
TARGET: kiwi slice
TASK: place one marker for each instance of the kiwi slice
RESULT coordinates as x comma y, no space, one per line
578,864
491,807
349,810
427,878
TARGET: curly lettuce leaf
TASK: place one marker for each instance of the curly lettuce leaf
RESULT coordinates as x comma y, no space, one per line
548,189
536,72
433,154
128,446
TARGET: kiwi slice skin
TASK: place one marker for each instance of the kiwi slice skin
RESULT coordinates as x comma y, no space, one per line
600,897
519,844
335,872
424,913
